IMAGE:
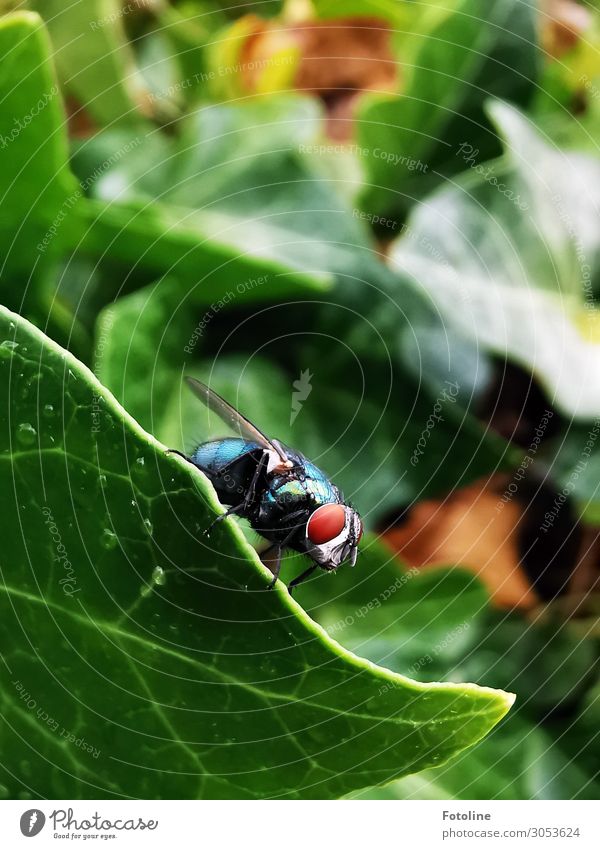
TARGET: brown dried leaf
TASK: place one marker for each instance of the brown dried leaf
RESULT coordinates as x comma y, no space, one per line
562,25
469,528
338,59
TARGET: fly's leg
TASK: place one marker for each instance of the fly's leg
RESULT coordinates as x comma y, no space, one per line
276,569
297,514
231,511
248,497
280,546
306,574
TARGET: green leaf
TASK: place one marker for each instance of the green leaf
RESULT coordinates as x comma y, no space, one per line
508,256
576,470
517,761
436,622
415,622
140,659
94,58
398,12
465,54
37,190
232,195
140,347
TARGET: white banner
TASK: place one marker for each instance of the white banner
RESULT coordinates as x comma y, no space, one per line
298,825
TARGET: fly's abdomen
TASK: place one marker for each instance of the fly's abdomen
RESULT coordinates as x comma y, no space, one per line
216,455
230,464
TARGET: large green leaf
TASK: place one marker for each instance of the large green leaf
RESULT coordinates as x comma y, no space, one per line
191,208
518,760
37,190
508,256
94,58
466,52
141,659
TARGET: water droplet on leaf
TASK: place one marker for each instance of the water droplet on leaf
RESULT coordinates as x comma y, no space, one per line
26,434
158,576
6,349
109,539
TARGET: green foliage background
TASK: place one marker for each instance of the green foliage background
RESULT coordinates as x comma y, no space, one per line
162,213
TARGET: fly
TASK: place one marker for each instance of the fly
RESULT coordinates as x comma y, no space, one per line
285,497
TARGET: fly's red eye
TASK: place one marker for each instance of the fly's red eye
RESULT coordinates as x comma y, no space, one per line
326,523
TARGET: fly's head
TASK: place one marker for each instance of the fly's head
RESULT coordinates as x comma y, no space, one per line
333,532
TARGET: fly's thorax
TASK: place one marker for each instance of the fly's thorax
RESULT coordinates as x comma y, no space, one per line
283,496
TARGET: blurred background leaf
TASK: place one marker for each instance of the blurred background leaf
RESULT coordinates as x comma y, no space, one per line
464,53
520,245
37,189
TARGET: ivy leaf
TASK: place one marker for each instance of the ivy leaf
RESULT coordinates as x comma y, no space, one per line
94,58
508,255
141,659
230,197
37,189
465,54
519,760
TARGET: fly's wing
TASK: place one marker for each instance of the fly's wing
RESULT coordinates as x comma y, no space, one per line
231,417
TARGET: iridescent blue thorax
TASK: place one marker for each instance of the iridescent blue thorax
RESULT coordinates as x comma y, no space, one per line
306,481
